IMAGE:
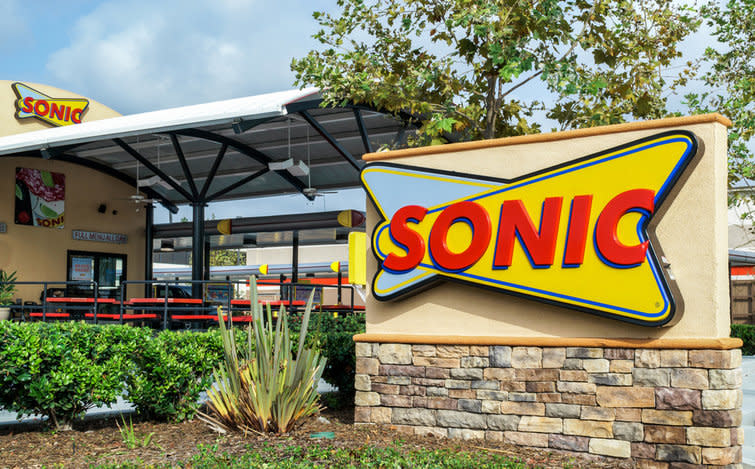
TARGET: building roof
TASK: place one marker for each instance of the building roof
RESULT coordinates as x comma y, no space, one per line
222,150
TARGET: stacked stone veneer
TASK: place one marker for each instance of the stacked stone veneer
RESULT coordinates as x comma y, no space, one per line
665,408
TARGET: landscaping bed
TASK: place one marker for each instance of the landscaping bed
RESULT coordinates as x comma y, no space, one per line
97,443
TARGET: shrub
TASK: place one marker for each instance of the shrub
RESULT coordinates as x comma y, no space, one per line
62,369
746,332
333,336
171,370
59,370
7,287
265,388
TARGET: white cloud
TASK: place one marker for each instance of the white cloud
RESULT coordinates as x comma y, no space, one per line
12,24
139,55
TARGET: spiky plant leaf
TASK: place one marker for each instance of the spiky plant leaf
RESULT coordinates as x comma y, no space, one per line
269,389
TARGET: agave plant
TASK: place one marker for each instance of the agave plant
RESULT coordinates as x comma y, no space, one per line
261,386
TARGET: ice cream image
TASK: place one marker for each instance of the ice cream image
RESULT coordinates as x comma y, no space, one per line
40,198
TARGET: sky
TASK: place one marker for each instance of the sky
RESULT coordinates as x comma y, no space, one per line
142,55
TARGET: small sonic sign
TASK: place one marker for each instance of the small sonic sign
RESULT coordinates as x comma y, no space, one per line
574,235
54,111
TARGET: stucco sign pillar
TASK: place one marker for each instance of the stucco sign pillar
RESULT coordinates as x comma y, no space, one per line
564,290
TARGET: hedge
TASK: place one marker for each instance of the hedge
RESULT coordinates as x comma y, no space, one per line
172,369
60,370
746,332
333,334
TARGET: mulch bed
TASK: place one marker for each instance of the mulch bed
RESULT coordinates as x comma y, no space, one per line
99,442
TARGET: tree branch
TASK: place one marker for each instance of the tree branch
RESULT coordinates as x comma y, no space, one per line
573,46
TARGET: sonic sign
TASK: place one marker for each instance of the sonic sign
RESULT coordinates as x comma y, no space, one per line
54,111
577,234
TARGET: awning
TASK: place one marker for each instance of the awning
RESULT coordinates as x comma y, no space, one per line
240,148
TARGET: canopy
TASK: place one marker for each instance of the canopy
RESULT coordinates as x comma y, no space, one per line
259,145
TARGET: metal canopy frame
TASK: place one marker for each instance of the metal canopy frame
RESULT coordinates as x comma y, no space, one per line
221,151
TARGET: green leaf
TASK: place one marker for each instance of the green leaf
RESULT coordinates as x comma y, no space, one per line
47,178
485,57
47,211
19,193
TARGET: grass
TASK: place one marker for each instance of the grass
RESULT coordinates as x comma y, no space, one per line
129,436
297,457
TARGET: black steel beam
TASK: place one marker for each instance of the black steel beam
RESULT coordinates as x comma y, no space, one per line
292,108
302,221
184,165
242,125
236,185
331,140
197,251
213,171
295,258
149,215
246,150
91,164
315,104
206,268
362,130
138,157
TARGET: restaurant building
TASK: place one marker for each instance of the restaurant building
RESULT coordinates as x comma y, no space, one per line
80,182
78,229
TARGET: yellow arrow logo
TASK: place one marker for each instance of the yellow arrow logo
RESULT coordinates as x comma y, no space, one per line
54,111
575,234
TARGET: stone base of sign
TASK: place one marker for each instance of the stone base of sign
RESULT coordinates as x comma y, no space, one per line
664,408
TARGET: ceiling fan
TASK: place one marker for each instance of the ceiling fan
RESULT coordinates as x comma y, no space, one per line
137,199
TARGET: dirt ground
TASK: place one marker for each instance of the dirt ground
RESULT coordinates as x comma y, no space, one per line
99,442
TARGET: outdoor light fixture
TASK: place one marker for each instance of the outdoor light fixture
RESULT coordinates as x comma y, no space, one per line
299,169
166,245
280,165
250,240
296,169
240,126
236,126
156,181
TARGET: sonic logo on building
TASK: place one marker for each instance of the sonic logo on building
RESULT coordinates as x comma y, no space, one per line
576,235
54,111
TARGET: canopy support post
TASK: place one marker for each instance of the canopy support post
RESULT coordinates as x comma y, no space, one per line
149,214
295,258
197,249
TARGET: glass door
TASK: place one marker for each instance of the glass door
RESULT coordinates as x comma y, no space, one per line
108,270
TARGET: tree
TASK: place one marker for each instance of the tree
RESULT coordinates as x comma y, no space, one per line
221,257
729,72
227,257
459,66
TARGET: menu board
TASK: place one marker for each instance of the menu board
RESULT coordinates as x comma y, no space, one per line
82,269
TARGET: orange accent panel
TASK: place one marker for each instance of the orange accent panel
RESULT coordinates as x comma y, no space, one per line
690,344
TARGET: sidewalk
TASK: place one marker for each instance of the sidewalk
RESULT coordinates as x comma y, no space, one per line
748,411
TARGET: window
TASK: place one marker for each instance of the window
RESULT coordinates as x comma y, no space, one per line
108,270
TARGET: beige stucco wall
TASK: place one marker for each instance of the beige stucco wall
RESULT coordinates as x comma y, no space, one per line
40,254
692,235
9,125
